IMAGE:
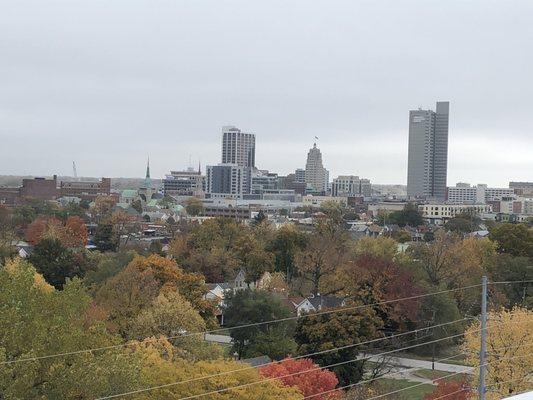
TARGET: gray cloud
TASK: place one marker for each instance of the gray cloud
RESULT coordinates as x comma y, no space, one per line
107,82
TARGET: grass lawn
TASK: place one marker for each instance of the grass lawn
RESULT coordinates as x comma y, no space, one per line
415,393
430,374
456,361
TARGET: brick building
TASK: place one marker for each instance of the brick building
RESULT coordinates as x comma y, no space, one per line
86,190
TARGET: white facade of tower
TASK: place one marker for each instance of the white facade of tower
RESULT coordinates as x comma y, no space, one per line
238,147
316,176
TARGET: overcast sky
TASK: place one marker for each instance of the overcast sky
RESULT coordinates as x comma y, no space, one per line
108,82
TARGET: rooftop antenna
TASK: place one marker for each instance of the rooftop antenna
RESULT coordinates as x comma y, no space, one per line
74,172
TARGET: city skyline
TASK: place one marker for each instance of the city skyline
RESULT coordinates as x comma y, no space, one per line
346,73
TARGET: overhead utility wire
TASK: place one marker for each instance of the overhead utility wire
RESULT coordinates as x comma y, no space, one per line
326,312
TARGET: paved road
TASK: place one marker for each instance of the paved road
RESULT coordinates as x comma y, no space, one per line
422,364
208,337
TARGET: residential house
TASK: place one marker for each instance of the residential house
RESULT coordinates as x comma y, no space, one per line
299,305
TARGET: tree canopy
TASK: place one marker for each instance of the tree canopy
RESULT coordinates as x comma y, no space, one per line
274,339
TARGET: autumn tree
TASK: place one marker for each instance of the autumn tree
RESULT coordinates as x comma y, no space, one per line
451,262
134,288
161,365
509,357
518,270
380,247
463,223
370,279
123,226
104,237
437,310
258,306
170,315
309,379
253,258
453,389
37,320
8,235
102,266
55,262
220,247
514,239
325,252
103,207
75,232
408,216
194,206
44,227
342,330
285,245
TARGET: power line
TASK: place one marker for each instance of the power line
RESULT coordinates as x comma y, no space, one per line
327,351
418,368
488,386
314,354
372,380
326,312
247,368
438,379
278,377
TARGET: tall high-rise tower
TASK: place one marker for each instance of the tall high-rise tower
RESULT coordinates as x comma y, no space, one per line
428,152
238,147
316,176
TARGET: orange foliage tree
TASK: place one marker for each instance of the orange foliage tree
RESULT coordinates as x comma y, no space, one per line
75,232
72,234
456,389
310,383
49,227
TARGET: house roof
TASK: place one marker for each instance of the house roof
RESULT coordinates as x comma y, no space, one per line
325,301
129,193
374,228
296,300
223,286
358,228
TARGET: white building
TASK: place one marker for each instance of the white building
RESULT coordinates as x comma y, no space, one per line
438,213
351,185
316,201
184,183
464,193
316,176
238,147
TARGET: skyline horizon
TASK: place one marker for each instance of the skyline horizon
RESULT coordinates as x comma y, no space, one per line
106,86
194,164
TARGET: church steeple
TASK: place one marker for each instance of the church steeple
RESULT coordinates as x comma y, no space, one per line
147,179
148,168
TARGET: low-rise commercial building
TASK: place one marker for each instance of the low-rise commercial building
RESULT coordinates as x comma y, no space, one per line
184,183
351,185
464,193
86,190
439,213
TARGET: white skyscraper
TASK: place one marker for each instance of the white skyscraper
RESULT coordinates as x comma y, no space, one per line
238,147
316,176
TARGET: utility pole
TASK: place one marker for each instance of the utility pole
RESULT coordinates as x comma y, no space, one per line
483,347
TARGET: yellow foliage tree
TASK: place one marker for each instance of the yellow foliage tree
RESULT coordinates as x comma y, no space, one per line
161,366
509,351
